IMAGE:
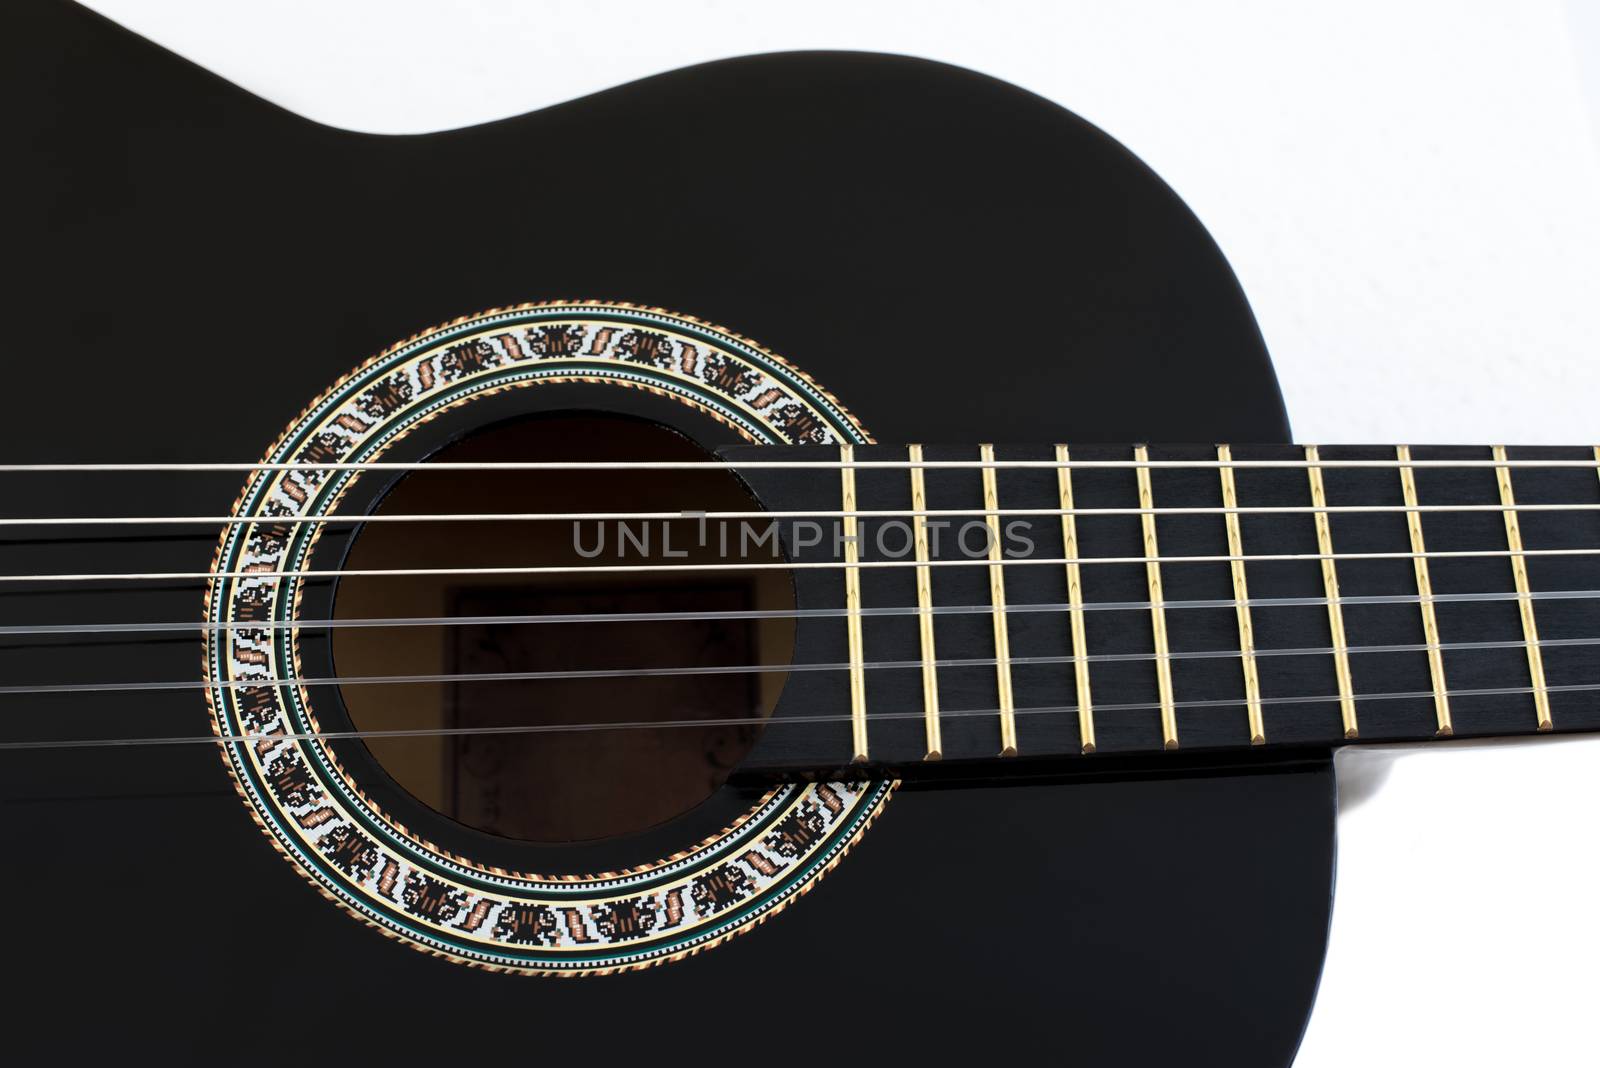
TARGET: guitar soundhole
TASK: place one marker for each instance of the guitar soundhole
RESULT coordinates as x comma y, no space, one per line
566,758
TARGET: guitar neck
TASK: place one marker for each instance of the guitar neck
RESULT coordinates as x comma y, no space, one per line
995,604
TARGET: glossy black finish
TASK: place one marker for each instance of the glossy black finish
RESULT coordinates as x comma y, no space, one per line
957,259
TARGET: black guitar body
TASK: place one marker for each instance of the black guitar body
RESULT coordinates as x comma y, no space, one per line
953,258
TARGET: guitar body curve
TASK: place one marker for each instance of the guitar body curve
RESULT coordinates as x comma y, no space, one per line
954,259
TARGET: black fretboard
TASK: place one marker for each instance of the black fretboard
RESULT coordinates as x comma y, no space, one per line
1451,643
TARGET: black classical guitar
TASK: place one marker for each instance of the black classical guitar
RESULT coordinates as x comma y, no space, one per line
566,636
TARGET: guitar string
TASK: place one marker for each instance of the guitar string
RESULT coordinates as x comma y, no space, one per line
545,728
862,513
755,465
779,565
755,669
191,626
1057,512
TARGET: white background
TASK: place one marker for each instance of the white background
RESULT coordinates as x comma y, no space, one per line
1410,193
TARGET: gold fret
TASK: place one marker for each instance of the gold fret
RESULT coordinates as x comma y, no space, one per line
1430,620
1519,572
852,608
1241,602
1080,642
1158,608
930,674
997,601
1330,587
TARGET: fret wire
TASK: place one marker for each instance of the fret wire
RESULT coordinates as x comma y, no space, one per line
997,600
1080,641
1330,586
852,603
930,671
1519,573
1430,619
1241,595
1158,614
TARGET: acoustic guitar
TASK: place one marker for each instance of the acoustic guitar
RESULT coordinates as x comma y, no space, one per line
554,545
